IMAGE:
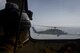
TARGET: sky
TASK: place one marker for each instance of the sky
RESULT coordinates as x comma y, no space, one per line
55,12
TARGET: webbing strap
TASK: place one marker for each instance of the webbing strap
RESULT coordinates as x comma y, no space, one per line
17,36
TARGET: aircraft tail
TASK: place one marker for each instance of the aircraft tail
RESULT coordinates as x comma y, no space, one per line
34,30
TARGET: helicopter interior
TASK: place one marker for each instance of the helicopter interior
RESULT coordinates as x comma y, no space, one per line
60,18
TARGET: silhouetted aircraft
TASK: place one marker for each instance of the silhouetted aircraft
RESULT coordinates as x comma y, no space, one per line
54,31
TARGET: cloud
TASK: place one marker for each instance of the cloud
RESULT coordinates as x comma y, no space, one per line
58,12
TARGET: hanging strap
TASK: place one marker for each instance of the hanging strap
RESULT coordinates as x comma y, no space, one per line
17,36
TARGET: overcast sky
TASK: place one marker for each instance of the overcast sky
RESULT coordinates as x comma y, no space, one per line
56,12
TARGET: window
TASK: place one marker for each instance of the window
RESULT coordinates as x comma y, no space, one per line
2,4
63,15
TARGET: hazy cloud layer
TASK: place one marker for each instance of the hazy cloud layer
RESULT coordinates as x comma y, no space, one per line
56,12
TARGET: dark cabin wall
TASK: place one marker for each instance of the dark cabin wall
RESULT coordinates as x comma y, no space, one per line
37,46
